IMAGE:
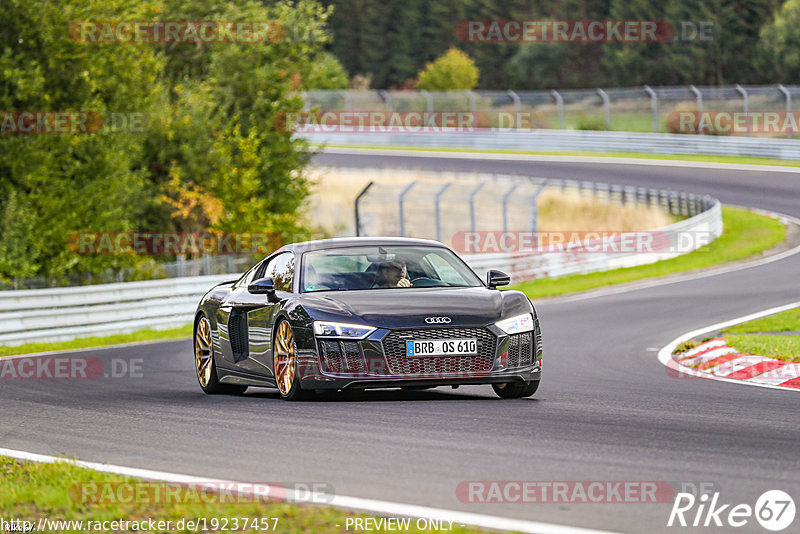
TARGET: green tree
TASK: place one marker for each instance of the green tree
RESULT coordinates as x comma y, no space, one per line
780,43
54,185
452,71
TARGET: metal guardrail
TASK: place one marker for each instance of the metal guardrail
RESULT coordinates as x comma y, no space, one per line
567,140
61,314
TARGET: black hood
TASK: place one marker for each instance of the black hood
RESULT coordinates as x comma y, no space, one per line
405,308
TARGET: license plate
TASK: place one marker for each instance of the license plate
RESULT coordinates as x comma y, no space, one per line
441,347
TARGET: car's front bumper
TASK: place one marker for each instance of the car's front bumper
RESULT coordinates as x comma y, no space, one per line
379,361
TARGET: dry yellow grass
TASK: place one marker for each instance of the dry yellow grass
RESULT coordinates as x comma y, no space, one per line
331,205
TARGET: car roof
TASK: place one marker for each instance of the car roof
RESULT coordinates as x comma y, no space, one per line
343,242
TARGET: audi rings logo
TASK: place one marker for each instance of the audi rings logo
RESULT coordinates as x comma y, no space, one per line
437,320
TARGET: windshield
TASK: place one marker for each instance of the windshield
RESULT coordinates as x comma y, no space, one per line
384,267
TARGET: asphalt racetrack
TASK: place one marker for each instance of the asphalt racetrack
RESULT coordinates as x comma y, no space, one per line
607,410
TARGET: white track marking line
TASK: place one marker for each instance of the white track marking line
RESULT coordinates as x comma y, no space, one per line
341,501
494,156
665,354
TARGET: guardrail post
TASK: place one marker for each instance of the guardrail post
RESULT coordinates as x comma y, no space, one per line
699,98
348,101
517,108
358,201
559,107
181,265
743,92
653,106
606,107
472,205
401,199
788,96
436,207
206,264
505,206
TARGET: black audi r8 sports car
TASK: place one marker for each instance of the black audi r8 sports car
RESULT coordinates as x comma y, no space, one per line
361,313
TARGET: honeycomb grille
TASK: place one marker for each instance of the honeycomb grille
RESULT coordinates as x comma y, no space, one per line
342,357
394,347
520,352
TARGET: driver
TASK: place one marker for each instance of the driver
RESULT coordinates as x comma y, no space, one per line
391,274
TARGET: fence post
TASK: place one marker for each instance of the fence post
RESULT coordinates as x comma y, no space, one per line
699,97
788,96
473,103
653,106
534,222
358,200
387,97
560,107
400,206
348,101
517,108
606,106
743,92
472,205
505,206
436,205
428,100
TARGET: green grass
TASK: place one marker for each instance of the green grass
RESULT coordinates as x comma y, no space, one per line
100,341
672,157
60,491
779,347
779,322
747,337
745,234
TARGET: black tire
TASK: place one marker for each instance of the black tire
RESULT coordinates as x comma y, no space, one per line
516,390
284,351
204,356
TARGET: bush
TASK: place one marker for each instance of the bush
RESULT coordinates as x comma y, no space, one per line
454,70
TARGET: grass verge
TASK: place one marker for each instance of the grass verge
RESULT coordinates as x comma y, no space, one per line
746,234
64,492
764,336
741,160
100,341
785,348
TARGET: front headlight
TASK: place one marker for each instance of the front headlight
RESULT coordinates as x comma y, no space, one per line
516,325
351,331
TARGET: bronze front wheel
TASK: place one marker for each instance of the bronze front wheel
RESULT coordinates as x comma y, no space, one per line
205,367
285,363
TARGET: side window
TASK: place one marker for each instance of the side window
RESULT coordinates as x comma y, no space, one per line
249,276
281,270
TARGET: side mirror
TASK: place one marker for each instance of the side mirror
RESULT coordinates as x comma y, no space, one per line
262,286
495,278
